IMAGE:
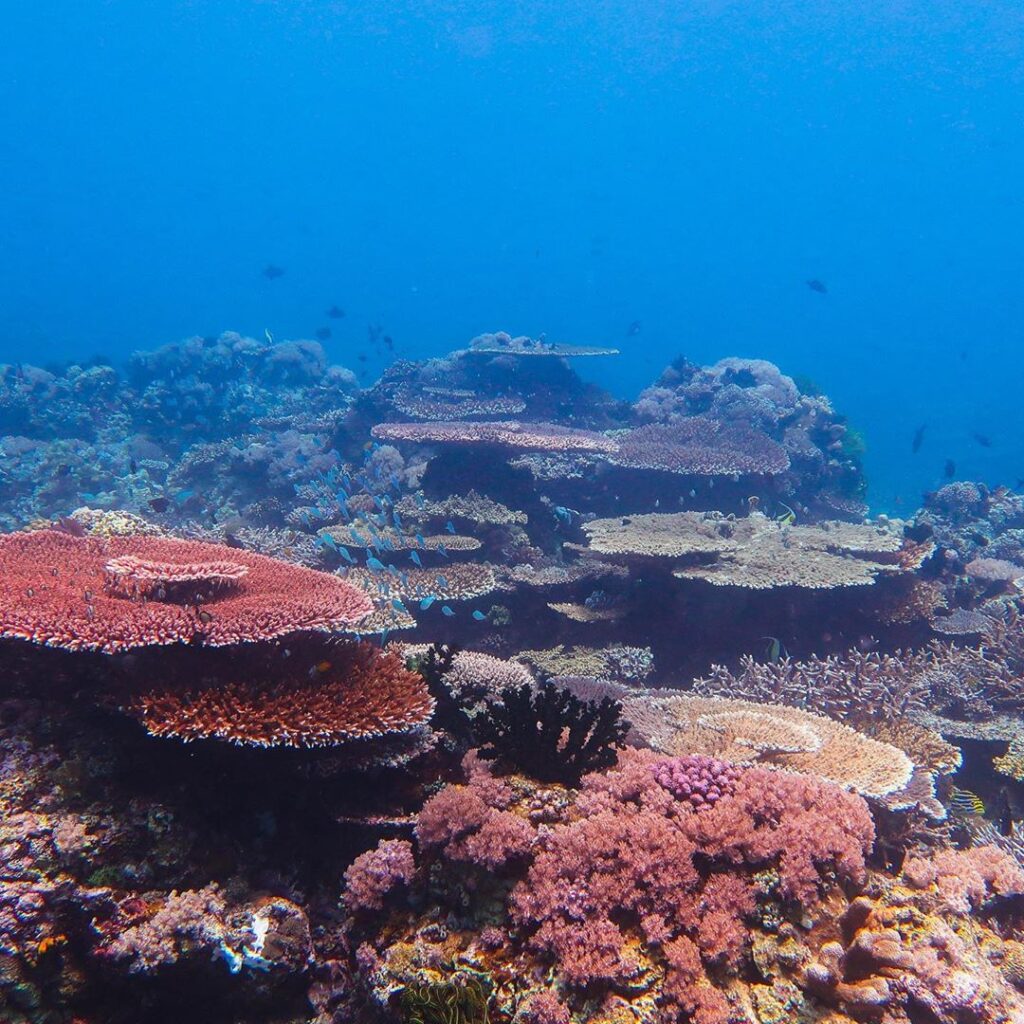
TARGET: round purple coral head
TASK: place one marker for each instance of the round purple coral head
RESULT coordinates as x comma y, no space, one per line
696,778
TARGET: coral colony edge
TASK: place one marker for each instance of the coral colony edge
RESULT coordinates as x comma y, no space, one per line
479,696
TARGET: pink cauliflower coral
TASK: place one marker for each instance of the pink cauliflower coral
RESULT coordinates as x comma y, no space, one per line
375,873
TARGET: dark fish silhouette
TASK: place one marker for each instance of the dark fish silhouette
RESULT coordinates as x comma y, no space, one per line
323,333
389,343
985,442
271,272
335,313
361,357
159,504
949,470
915,445
817,286
633,330
68,525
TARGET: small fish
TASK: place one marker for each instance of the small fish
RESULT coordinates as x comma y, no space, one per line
398,606
478,615
983,440
374,564
415,556
205,617
817,286
421,502
775,651
182,496
966,802
949,470
388,343
327,541
272,272
788,518
450,526
323,333
159,504
447,611
419,540
427,602
915,445
346,554
319,669
335,313
633,330
133,466
397,519
441,582
442,550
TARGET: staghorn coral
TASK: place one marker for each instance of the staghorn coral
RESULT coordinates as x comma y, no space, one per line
57,591
857,686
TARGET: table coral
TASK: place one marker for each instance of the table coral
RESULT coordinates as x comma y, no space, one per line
57,591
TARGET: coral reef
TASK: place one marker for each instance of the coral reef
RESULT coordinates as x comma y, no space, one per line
674,734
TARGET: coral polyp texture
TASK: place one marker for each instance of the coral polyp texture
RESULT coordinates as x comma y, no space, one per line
81,593
547,437
700,447
358,693
478,695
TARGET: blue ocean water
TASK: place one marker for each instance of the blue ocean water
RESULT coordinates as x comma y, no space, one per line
439,169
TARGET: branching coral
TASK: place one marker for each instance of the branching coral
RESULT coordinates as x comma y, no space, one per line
550,734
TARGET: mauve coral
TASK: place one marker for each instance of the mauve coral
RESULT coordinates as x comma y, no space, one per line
375,873
699,779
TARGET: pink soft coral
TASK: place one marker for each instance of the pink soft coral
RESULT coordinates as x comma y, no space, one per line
372,875
964,879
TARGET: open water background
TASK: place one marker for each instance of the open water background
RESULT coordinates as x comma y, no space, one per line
442,169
